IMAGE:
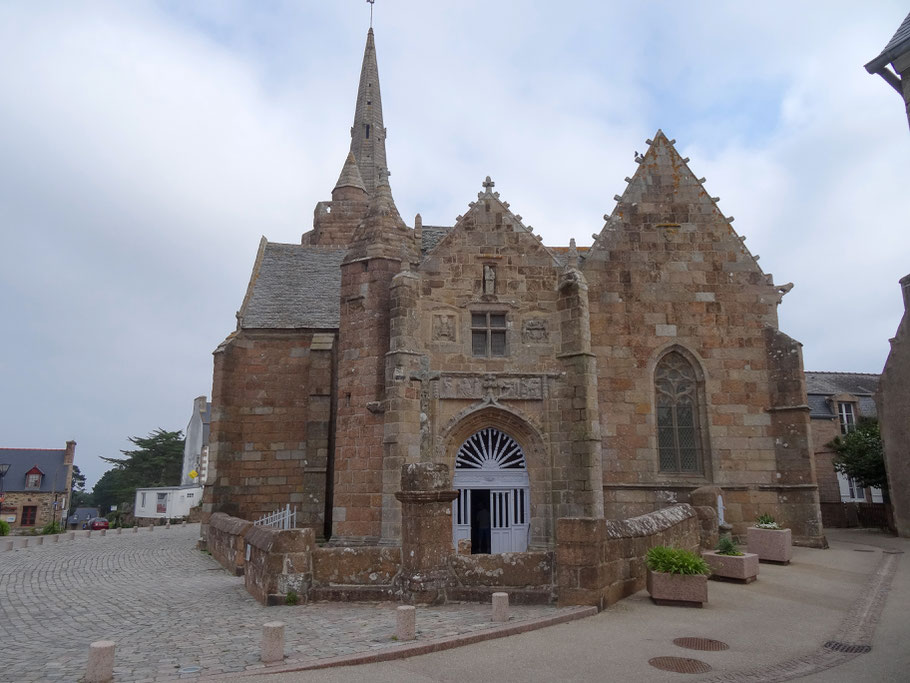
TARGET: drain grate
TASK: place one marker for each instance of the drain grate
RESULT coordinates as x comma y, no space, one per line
680,665
893,552
863,550
837,646
705,644
190,670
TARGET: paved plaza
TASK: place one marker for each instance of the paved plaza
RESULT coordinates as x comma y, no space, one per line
175,615
169,607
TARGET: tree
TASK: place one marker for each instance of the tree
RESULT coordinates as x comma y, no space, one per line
79,497
157,461
859,454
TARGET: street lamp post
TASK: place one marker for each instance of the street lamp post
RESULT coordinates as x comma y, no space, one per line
4,468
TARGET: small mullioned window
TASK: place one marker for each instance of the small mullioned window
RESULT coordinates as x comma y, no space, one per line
488,334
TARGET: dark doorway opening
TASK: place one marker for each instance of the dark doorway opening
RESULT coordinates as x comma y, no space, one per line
480,521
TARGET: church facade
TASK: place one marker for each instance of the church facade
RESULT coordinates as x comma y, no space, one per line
607,381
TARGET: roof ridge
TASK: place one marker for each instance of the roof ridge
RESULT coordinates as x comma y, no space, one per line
14,448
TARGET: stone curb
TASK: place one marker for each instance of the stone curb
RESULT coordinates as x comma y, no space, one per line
414,649
13,543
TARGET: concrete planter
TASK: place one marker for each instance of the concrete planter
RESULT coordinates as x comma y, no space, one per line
684,590
771,545
742,568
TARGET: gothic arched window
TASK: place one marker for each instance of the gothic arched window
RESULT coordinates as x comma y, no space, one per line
678,402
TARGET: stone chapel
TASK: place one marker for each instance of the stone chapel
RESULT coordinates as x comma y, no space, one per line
554,382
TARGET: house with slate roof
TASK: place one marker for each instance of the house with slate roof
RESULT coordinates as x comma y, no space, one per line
36,486
837,401
550,381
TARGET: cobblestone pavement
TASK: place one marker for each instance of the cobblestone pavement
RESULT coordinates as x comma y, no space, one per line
169,607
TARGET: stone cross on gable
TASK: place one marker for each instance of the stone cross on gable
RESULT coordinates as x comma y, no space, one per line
488,184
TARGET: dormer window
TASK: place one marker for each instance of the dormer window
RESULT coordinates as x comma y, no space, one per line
33,479
847,417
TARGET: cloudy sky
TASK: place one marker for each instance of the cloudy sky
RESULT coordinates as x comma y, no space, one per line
146,146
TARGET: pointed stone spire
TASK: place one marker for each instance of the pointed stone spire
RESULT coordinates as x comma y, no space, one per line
368,132
350,176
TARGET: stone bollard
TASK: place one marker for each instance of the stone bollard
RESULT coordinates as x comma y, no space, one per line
100,668
70,535
118,531
103,532
25,543
272,647
184,523
500,607
39,540
406,628
151,527
8,545
135,529
167,526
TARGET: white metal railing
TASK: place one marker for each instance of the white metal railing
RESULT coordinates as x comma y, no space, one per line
280,519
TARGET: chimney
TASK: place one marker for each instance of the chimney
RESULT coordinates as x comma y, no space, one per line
905,290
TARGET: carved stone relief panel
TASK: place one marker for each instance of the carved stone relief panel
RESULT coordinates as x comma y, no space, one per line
444,327
534,331
492,386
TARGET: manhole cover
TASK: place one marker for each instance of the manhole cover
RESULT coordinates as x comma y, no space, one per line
680,665
849,648
705,644
190,670
863,550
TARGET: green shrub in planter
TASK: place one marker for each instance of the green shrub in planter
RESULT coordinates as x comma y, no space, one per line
727,546
675,561
766,521
4,528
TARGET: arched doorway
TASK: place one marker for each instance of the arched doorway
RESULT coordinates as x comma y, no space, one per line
493,504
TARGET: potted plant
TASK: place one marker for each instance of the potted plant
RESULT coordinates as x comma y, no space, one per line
728,563
767,540
677,577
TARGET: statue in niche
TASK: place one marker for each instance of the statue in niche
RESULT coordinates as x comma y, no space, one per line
489,280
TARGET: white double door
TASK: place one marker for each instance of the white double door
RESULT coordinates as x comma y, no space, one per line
494,519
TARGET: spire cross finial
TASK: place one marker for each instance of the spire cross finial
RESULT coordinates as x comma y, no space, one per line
489,184
371,12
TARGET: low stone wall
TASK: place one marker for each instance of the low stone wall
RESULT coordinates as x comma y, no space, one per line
528,578
361,573
225,540
280,561
601,561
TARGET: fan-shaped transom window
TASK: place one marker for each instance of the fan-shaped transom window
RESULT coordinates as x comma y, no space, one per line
490,449
678,402
493,505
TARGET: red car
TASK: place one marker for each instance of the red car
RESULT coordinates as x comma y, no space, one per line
98,523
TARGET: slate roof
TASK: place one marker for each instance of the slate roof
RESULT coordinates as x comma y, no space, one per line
432,235
293,286
899,43
82,514
821,385
21,460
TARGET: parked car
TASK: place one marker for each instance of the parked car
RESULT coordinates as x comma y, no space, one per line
98,523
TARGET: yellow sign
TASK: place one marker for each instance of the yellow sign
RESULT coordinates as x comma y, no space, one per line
194,474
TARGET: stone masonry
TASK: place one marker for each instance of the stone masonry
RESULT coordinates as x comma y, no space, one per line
626,375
